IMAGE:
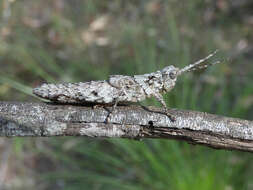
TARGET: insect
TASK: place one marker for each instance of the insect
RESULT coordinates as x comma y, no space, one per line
119,88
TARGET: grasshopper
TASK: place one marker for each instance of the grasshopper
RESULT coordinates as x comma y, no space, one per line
119,88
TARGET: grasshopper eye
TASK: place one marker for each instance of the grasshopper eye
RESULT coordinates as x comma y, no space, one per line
172,75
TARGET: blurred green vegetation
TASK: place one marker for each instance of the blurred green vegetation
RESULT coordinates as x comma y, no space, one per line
74,40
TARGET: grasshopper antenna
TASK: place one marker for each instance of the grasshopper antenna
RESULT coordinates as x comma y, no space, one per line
199,64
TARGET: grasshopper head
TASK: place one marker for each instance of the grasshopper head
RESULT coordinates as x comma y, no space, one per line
170,73
169,76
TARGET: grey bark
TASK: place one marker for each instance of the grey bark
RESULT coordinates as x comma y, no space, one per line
134,122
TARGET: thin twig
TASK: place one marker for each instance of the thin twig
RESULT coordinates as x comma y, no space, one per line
133,122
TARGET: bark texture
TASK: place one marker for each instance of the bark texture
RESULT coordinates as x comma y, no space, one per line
134,122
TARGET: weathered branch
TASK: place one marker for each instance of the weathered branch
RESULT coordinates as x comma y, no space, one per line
135,122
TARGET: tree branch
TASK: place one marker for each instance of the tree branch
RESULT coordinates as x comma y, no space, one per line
135,122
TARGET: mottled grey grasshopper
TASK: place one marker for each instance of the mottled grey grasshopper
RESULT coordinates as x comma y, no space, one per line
119,88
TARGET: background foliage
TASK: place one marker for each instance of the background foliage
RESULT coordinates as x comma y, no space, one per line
75,40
